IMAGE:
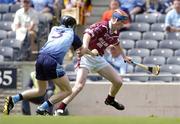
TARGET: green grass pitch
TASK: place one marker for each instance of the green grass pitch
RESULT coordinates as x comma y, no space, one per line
86,120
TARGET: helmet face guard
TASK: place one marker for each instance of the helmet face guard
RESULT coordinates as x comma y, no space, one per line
68,21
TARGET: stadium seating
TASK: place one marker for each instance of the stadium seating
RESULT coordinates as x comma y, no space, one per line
147,18
173,36
136,59
125,51
161,18
8,17
130,68
14,7
141,27
97,11
147,44
91,20
131,35
127,44
100,3
69,67
177,52
1,58
11,34
0,17
173,60
4,8
172,68
11,43
158,27
3,34
7,52
139,52
5,25
162,52
170,44
153,35
156,60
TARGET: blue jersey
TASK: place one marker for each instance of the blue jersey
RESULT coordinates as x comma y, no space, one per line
59,41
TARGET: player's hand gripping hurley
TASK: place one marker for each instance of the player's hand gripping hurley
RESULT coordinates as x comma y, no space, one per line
83,51
93,52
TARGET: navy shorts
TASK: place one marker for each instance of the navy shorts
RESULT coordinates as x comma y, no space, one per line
47,68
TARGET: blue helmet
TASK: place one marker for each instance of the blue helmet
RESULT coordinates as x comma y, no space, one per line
68,21
121,15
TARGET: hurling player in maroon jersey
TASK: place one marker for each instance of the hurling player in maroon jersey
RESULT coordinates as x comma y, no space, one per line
99,36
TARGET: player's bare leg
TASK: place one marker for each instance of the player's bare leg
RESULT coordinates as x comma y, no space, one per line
65,90
110,74
35,92
79,84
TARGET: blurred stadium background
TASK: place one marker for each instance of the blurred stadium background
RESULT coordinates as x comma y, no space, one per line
143,95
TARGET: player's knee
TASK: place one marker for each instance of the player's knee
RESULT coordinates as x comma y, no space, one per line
41,92
69,92
79,86
118,82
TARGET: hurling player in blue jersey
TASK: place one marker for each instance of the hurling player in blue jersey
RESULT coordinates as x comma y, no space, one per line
49,67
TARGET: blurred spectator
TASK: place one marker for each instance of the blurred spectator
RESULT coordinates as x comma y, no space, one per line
113,5
26,109
87,7
8,1
44,8
84,6
168,5
134,6
69,3
172,21
115,58
155,6
58,6
26,24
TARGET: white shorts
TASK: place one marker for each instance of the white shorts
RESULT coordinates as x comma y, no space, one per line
93,64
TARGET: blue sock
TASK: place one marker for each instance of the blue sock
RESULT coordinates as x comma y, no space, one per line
45,105
17,98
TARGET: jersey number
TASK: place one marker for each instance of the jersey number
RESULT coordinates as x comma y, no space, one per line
57,34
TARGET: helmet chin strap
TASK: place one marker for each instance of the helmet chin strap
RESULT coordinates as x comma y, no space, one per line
111,23
114,20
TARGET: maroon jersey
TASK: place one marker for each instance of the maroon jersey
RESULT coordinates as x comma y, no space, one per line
101,36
